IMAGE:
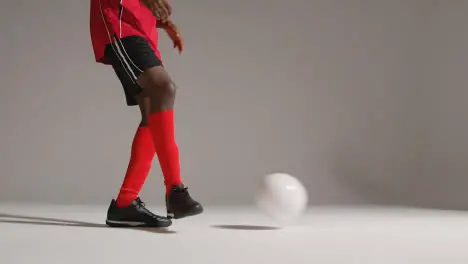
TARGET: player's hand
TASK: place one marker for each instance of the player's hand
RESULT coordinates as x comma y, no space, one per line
174,34
160,8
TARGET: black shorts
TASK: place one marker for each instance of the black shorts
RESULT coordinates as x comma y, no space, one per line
130,57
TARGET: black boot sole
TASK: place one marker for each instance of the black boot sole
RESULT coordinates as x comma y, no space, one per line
193,212
123,224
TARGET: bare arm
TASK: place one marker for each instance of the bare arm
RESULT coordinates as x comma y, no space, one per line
173,33
160,24
164,24
160,8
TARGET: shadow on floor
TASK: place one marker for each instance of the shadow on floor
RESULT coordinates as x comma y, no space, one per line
246,227
43,221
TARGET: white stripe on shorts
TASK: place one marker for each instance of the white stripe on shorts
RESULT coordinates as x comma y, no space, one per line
124,59
115,51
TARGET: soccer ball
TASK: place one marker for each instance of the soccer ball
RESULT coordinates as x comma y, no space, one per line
282,197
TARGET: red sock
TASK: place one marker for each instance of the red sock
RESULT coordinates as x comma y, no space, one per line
138,168
162,130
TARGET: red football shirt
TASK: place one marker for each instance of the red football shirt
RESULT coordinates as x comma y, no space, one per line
121,18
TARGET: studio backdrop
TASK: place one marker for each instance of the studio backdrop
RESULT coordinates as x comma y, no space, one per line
365,101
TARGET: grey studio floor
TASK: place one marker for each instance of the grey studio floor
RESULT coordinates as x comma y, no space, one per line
361,235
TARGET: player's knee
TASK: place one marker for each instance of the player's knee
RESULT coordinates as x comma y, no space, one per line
163,92
168,91
159,87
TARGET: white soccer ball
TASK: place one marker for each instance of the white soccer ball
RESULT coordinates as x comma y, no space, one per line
282,197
